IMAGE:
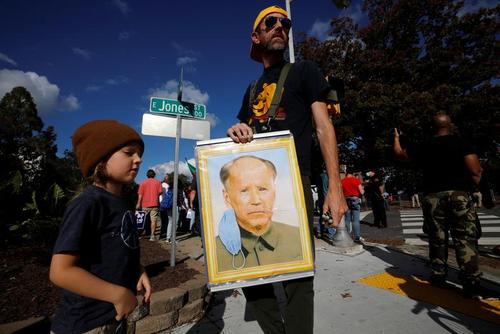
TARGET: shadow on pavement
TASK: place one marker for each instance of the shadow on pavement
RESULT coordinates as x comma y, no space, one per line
213,321
408,276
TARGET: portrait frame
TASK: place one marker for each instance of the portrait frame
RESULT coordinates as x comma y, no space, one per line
289,207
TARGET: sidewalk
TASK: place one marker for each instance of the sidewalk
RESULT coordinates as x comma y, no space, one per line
378,291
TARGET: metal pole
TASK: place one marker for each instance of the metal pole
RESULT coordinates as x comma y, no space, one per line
175,208
290,34
176,183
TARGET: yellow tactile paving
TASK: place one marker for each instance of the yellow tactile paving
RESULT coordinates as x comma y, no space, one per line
421,290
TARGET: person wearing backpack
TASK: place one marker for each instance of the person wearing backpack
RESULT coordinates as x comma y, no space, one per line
289,97
166,203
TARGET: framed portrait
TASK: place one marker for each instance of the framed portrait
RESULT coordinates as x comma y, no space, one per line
253,213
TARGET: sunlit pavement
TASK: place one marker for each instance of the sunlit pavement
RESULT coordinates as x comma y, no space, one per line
378,291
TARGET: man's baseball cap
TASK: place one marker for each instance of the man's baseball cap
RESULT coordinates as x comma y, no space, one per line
255,52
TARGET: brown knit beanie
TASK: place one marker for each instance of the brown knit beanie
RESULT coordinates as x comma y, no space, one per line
96,140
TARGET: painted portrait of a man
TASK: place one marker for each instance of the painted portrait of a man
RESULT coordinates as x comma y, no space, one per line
247,234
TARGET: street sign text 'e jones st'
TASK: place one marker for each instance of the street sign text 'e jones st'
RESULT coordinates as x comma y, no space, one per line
174,107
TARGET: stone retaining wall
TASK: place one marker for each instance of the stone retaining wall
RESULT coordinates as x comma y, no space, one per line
168,308
172,307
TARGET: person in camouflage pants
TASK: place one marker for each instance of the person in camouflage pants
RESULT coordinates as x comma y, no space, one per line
454,212
450,171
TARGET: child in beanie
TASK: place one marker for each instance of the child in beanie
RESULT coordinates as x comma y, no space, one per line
96,256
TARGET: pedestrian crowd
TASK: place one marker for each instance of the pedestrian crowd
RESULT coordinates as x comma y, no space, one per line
155,198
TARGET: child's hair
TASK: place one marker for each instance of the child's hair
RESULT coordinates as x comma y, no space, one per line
99,176
95,141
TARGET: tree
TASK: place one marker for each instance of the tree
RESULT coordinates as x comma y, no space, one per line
31,173
414,58
341,3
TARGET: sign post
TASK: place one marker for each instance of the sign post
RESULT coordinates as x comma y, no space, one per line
157,125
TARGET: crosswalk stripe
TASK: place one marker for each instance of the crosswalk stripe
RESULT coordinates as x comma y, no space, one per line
412,224
487,241
412,230
480,214
420,223
412,221
416,242
485,229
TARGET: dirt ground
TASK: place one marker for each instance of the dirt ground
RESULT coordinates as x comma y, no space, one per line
25,289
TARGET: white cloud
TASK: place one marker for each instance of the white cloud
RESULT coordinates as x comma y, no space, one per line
122,6
181,50
356,13
93,88
85,54
187,57
7,59
124,35
474,6
189,92
119,80
45,94
320,30
186,60
69,103
168,167
213,119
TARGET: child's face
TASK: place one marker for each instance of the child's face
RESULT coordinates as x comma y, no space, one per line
122,167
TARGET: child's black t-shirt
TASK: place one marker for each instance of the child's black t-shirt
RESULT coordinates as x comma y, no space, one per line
99,228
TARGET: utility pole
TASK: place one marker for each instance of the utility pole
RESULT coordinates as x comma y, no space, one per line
290,33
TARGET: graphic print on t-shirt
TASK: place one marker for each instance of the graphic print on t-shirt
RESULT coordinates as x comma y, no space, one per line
262,103
128,231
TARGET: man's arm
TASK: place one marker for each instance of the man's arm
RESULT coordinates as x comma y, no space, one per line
399,152
334,199
361,190
192,194
139,201
474,167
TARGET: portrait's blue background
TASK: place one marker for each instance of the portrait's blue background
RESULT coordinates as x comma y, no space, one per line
285,210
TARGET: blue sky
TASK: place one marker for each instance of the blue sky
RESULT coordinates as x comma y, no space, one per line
86,60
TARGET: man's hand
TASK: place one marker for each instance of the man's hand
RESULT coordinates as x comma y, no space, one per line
399,152
124,303
145,284
240,133
335,203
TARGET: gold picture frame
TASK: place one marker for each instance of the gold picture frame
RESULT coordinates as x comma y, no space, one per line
284,251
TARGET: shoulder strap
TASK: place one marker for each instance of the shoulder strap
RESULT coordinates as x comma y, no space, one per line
251,95
277,93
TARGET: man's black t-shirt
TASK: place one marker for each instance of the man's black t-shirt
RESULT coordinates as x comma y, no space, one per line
443,165
99,228
304,85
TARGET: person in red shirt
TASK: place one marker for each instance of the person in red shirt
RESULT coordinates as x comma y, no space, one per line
149,199
353,190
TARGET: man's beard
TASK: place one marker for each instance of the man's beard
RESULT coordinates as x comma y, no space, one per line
273,45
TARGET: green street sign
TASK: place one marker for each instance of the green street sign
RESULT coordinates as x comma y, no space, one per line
173,107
